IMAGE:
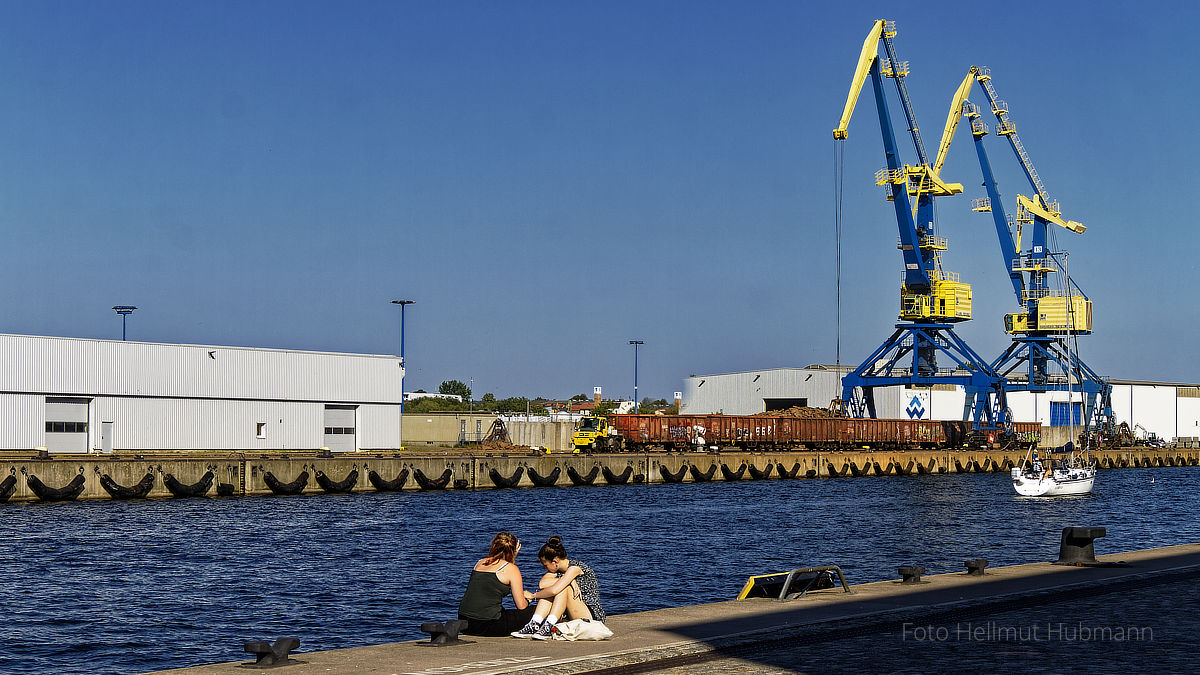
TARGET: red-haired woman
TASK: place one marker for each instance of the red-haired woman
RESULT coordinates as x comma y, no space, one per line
493,578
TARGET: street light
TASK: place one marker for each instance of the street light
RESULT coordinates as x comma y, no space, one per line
635,344
402,303
124,311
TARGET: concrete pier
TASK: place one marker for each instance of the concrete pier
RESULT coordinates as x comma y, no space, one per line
245,474
686,636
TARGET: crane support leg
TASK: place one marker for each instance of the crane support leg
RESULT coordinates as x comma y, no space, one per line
909,357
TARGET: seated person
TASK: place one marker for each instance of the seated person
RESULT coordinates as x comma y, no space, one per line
569,587
493,578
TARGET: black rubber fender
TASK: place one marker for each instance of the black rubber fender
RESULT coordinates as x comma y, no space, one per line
669,477
702,477
502,482
548,480
577,479
334,487
7,487
755,474
197,489
784,473
280,488
66,493
118,491
733,475
426,484
617,479
394,485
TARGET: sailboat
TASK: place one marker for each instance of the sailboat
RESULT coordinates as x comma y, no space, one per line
1070,475
1072,472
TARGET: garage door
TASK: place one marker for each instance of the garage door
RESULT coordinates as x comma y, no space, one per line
339,428
67,424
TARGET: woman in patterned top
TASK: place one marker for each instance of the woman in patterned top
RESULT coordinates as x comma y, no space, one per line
568,587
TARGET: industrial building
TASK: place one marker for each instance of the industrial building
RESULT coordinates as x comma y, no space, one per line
1168,410
73,395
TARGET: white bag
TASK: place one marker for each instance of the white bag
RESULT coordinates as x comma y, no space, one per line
581,629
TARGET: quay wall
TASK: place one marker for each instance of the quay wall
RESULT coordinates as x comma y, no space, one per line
243,474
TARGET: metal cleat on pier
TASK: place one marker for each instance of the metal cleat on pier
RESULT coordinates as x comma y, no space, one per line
975,567
441,635
272,656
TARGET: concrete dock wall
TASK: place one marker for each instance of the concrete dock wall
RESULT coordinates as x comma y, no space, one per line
240,475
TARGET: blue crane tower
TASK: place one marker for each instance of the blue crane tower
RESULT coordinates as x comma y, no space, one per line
932,299
1051,314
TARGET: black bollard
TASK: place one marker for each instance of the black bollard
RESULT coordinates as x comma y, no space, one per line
1077,547
911,574
975,567
441,634
272,656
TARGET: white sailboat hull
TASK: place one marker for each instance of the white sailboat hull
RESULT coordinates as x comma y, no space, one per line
1074,481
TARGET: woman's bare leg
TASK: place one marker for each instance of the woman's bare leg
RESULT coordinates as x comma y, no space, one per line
574,605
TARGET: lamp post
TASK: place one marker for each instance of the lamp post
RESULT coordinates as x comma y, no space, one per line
635,344
124,311
402,304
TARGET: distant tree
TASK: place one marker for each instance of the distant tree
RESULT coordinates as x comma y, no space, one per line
434,404
649,405
421,391
671,410
488,401
578,397
515,404
456,388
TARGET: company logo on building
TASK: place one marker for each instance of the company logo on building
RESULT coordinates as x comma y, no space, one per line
915,410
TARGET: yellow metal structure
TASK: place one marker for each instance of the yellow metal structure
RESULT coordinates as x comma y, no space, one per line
870,51
948,300
1036,207
1055,314
956,113
759,579
1061,313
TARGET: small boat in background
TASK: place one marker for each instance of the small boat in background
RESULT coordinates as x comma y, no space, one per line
1072,474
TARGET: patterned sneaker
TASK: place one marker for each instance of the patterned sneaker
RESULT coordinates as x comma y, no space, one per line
544,630
530,630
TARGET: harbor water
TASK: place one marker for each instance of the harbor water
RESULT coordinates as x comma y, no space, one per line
123,587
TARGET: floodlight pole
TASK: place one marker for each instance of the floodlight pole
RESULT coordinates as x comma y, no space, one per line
124,311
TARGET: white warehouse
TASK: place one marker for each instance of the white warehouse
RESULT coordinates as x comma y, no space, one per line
1168,410
72,395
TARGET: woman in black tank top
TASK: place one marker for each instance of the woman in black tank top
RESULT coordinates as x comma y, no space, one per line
493,578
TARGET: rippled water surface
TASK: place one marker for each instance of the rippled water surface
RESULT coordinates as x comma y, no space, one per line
111,587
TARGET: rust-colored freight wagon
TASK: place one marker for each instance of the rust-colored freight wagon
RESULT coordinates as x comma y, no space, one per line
682,432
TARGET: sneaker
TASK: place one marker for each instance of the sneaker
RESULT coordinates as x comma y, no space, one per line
544,630
530,630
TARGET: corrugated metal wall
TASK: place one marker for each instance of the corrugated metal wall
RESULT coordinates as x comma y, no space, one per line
189,397
105,367
188,424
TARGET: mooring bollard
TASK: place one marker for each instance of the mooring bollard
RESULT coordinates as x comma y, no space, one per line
443,634
911,574
271,656
975,567
1078,547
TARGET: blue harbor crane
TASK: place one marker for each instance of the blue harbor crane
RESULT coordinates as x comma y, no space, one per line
1051,314
932,299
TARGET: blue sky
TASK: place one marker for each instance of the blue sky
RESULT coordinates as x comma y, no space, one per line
550,180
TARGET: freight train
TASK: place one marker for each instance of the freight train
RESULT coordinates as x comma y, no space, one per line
697,432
